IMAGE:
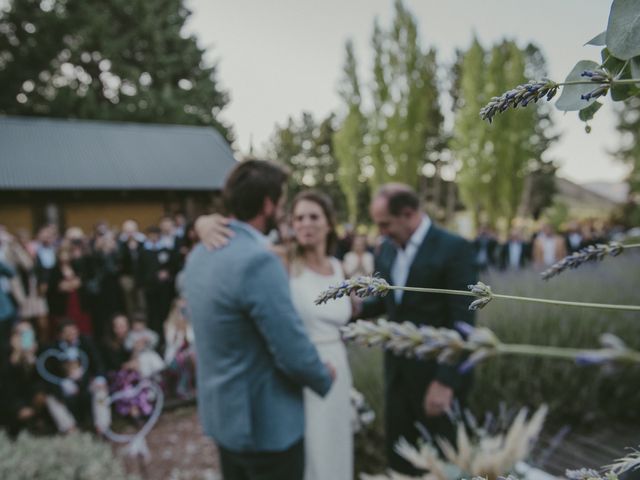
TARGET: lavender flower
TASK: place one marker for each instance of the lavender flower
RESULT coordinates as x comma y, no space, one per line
588,254
521,95
597,76
408,339
484,294
614,350
363,286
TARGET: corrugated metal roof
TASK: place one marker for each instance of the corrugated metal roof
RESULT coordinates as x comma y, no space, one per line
58,154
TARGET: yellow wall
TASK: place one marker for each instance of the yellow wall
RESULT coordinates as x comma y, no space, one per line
16,216
86,215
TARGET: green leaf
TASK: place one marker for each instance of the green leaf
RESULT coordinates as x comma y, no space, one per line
635,68
623,29
570,100
611,63
587,114
599,40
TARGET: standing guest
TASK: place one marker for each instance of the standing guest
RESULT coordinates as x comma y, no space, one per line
109,299
573,238
548,247
131,243
485,246
45,257
156,275
179,353
345,241
515,254
7,308
417,253
65,295
254,356
167,232
358,261
16,257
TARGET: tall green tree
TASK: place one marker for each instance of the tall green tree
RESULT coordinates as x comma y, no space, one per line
305,146
406,122
117,60
628,125
498,160
348,139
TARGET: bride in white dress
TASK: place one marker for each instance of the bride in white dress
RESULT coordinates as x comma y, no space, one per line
328,436
328,430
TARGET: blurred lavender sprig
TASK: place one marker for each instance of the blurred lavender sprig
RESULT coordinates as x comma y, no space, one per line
367,286
450,346
588,254
521,95
363,286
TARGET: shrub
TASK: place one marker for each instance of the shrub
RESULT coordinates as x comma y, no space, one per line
574,394
77,456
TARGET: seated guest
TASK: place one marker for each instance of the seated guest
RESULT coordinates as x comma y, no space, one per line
25,403
141,342
114,353
77,362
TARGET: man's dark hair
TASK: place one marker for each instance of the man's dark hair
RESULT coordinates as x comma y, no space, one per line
249,184
399,197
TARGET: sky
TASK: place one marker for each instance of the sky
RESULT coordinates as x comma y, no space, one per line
278,58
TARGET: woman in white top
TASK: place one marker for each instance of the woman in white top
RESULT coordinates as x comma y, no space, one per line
328,430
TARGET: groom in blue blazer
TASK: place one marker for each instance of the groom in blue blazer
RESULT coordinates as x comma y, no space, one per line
253,354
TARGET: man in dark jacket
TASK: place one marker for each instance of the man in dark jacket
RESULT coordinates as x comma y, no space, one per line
417,253
157,277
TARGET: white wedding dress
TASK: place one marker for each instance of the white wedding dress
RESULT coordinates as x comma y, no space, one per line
328,421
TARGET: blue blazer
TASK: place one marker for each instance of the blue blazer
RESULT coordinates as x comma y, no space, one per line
253,354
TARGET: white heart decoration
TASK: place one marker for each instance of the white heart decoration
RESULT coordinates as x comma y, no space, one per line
61,356
137,444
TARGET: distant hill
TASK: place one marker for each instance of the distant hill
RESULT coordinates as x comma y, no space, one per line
584,201
616,191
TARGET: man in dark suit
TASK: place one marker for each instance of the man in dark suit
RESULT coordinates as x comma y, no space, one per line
417,253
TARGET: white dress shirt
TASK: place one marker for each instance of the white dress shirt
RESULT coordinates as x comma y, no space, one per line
405,256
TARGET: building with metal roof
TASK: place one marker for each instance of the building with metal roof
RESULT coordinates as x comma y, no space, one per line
77,172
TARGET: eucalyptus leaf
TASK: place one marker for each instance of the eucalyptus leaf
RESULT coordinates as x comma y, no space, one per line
634,64
611,63
623,29
599,40
587,114
570,100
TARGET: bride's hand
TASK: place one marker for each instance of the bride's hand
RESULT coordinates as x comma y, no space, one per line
213,230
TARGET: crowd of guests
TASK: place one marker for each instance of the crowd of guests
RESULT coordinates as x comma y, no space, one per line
536,248
107,308
84,313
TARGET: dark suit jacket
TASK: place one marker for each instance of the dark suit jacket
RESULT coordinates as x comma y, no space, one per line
444,260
